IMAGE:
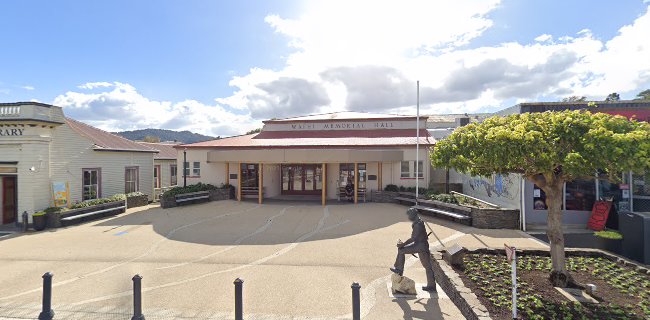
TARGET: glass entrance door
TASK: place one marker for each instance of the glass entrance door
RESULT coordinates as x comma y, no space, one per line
302,179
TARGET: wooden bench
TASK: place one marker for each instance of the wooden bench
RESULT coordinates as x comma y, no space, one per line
101,210
192,197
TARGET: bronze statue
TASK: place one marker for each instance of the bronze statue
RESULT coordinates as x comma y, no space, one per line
418,243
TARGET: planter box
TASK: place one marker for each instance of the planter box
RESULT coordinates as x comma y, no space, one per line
55,220
39,222
137,201
214,195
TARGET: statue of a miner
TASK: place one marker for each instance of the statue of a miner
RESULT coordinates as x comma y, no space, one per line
417,244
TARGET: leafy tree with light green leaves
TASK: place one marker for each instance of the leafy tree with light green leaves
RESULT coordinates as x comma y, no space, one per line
643,95
549,149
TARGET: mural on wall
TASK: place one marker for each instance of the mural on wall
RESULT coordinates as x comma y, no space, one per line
502,190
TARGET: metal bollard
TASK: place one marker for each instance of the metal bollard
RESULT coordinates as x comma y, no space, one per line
356,302
239,305
47,313
137,298
25,218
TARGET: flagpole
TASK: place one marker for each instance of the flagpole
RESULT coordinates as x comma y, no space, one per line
417,146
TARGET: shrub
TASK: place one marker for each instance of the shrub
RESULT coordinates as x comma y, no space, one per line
135,194
609,234
189,189
94,202
443,197
391,188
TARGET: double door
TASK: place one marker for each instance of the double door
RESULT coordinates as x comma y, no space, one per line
9,198
302,178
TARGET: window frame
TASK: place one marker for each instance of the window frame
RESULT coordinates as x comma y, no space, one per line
98,192
196,170
137,178
157,179
173,174
411,174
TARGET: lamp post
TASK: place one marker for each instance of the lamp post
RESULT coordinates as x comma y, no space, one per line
185,167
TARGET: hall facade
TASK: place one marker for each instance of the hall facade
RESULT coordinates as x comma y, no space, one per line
341,156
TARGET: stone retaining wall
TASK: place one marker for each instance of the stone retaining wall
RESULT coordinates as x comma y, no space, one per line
383,196
137,201
495,218
461,296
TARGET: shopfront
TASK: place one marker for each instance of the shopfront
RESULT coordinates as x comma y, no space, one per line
334,156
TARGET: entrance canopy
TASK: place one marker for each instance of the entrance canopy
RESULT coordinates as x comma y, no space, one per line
304,155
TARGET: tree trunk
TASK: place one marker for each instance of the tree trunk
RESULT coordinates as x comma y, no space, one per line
560,276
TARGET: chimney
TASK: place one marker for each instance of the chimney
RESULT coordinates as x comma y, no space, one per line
462,121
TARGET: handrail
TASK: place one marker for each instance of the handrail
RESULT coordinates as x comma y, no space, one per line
475,199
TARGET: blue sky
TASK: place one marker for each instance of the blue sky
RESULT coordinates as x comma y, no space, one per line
220,67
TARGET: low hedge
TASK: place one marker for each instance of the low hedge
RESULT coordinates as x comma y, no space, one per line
94,202
193,188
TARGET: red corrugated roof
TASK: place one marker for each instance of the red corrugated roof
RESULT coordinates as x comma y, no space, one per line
166,150
105,140
317,139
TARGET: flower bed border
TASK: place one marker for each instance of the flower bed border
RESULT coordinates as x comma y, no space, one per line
469,304
137,201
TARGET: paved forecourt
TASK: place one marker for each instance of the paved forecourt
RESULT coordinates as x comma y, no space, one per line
298,261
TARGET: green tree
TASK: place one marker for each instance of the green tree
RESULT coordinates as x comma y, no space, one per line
574,99
549,149
258,130
643,95
152,139
613,97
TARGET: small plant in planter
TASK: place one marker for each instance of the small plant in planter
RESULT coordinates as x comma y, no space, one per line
39,220
609,240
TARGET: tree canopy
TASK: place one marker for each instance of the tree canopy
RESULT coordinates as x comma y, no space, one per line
574,99
613,97
570,144
549,149
643,95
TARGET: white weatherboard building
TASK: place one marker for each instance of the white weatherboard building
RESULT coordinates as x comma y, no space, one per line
315,156
42,152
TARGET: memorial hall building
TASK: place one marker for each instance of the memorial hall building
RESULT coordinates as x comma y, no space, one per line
341,155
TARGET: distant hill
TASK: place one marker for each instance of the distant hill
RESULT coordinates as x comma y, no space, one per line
165,135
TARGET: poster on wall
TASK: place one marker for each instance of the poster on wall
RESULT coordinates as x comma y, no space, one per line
60,194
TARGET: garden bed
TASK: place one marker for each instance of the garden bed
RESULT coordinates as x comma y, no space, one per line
623,289
169,198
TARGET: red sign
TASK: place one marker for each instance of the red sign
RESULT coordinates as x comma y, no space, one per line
599,215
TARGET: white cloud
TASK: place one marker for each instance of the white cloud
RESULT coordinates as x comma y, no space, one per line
30,88
366,56
93,85
119,106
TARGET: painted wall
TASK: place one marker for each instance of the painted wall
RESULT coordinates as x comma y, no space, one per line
70,153
502,190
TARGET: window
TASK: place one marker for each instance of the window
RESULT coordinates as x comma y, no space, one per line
408,169
580,195
131,179
186,169
91,182
156,177
174,174
196,169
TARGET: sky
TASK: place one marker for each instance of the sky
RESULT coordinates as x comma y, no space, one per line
221,67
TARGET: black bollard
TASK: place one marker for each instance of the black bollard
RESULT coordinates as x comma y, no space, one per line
47,313
239,305
356,302
137,298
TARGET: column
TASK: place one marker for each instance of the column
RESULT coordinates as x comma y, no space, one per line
380,169
356,183
324,179
239,181
260,187
227,179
